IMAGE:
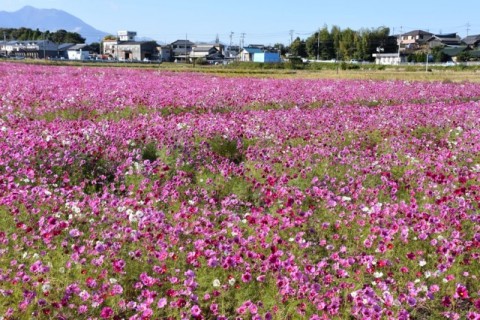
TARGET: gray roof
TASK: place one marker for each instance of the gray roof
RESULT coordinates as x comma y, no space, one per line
183,42
65,46
81,46
470,40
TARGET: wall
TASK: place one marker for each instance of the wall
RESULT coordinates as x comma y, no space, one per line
267,57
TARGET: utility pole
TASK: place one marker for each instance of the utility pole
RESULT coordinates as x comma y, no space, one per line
186,39
468,27
291,36
242,37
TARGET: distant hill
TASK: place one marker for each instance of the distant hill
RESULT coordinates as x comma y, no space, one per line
49,19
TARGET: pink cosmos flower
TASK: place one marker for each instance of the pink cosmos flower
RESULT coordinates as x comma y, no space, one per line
106,313
461,292
74,233
196,311
162,302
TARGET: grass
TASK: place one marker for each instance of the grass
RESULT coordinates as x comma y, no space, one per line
373,72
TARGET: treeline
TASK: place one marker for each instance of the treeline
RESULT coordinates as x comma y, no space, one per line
22,34
335,43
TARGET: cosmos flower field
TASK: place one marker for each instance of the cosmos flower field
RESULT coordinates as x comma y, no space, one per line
144,194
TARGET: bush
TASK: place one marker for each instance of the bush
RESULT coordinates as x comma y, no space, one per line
149,152
227,148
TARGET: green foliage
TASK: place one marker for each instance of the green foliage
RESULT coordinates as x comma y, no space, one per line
60,36
418,57
149,152
227,148
439,55
298,48
295,63
464,56
201,61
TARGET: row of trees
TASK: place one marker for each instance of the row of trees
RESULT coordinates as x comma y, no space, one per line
59,36
344,44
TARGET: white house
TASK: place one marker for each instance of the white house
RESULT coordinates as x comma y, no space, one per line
248,52
79,52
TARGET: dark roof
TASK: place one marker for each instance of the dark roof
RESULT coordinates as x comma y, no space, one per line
470,40
449,39
204,48
446,35
416,33
183,42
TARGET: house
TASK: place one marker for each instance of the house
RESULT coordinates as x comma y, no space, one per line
455,52
35,49
181,49
206,51
126,36
63,49
267,57
165,52
389,58
413,40
259,53
137,50
110,48
247,53
449,39
78,52
124,47
231,52
472,41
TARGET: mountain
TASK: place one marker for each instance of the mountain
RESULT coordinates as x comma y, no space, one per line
49,19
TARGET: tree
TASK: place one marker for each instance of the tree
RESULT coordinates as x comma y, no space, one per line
464,56
62,36
281,48
109,37
311,44
95,46
336,34
298,48
347,44
327,50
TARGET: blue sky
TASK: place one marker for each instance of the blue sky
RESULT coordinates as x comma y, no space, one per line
266,21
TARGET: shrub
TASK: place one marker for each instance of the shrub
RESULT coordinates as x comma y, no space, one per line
227,148
149,152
